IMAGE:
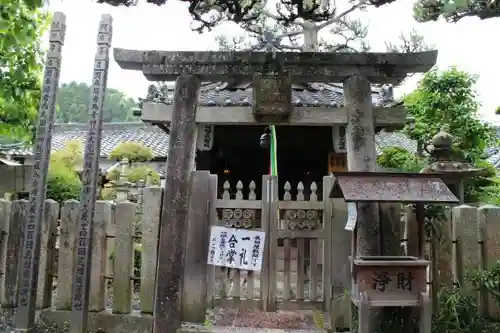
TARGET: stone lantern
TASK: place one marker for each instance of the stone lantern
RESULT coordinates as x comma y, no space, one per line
122,185
443,160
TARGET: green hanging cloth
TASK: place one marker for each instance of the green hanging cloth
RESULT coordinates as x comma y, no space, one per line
273,156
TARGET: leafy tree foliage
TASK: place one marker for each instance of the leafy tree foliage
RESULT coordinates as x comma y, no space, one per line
22,24
446,98
209,13
141,172
132,151
71,155
63,182
73,100
455,10
401,159
344,33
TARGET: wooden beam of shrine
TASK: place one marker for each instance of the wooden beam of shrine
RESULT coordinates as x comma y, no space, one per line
303,66
160,113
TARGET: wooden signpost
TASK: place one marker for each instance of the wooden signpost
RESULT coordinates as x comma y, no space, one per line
389,281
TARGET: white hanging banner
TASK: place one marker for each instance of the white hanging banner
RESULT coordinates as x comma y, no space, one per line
339,138
236,248
205,140
352,216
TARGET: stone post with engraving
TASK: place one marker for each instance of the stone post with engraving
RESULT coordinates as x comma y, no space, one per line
361,156
174,217
81,273
378,224
25,314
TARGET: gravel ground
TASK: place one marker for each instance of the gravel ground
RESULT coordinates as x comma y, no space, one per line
258,319
252,318
7,324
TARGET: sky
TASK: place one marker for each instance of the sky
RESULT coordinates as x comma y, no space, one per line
468,44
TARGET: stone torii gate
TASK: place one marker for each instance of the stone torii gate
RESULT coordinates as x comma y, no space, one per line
272,74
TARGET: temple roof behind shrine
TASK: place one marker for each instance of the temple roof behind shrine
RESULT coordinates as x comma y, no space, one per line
240,94
112,135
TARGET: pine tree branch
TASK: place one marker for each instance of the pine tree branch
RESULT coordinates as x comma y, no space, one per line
323,25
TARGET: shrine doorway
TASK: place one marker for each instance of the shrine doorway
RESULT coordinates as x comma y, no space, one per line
303,156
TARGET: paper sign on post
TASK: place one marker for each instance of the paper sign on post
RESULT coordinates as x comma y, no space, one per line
236,248
352,216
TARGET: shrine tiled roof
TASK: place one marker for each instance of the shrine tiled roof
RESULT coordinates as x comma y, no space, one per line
394,139
157,140
153,137
112,135
230,94
18,151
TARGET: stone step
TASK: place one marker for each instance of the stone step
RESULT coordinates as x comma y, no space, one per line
228,329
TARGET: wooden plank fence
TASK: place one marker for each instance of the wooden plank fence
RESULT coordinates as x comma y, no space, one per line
306,256
114,227
467,241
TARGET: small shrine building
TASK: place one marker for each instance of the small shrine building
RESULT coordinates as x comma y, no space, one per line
305,153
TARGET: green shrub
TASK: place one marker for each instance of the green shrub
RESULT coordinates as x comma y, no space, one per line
456,313
71,155
488,280
133,151
133,174
136,173
63,183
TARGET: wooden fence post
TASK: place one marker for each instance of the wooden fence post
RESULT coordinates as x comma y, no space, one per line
272,236
269,224
67,246
5,207
336,272
264,273
149,239
110,242
212,217
18,215
97,295
124,252
489,229
464,236
411,228
197,235
47,244
441,256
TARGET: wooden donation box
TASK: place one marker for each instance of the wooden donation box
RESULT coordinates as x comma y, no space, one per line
390,281
272,96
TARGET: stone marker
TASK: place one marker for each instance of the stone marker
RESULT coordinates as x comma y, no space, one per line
25,315
81,273
173,224
361,156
